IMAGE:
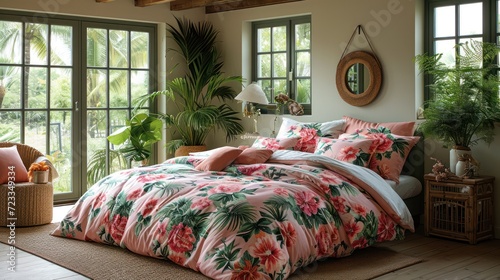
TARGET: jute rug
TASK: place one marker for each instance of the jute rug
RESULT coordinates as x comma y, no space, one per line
98,261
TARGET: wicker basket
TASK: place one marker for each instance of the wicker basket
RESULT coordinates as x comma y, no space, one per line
185,150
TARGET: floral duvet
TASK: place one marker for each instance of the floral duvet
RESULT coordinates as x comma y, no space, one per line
257,221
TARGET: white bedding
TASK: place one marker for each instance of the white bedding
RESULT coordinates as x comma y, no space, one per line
408,186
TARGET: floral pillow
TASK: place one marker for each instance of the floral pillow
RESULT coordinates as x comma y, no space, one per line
353,125
275,144
309,133
355,151
391,152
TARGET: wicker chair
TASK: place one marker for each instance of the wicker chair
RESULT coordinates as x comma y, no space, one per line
33,202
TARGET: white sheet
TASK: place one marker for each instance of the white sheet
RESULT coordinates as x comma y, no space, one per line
408,186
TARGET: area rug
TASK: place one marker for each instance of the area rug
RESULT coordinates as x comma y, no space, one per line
99,261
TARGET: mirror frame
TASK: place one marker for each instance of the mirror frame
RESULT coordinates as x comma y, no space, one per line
374,68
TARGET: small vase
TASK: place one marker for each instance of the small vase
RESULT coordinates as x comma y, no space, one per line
455,153
40,177
461,168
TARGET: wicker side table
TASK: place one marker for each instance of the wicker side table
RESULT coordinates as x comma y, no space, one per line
33,204
459,209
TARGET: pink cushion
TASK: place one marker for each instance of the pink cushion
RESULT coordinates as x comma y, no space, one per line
219,159
391,152
253,155
356,151
12,168
353,125
309,132
275,144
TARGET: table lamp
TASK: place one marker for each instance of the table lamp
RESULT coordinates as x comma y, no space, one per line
250,95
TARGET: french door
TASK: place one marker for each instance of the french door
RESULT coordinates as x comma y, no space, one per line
65,84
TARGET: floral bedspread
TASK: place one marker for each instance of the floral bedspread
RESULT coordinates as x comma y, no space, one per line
258,221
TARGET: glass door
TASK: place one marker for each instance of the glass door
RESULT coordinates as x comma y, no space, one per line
65,84
37,82
118,71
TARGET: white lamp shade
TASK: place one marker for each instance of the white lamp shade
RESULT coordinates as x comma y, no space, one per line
252,93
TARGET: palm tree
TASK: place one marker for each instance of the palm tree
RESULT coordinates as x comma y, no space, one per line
35,38
202,84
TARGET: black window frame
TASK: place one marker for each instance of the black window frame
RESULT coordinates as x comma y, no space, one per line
490,28
291,52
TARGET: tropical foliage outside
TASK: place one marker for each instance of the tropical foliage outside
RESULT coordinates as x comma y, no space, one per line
36,90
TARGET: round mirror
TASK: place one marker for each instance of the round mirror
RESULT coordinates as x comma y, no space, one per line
359,78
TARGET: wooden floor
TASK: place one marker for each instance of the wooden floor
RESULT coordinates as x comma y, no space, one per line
442,259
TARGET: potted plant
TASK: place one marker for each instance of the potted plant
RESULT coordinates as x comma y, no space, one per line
195,93
38,172
465,103
137,136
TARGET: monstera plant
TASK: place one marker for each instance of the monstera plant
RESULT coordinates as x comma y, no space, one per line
136,138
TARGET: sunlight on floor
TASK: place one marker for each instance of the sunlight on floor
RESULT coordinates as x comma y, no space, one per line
60,212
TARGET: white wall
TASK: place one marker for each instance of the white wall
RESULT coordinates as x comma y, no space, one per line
394,27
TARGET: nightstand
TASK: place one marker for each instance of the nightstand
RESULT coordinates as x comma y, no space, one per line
460,209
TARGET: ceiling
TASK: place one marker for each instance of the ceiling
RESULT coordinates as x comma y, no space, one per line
211,6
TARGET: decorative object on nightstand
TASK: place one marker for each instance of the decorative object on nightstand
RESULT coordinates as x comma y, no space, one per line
251,94
460,209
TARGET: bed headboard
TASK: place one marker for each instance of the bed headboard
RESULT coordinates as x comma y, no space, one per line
414,164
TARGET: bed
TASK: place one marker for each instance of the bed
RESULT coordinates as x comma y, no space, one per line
257,212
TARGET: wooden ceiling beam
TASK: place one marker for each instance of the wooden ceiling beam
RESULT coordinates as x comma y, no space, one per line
104,1
179,5
144,3
244,4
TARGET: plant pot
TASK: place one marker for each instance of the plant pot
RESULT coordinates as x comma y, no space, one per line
40,177
141,163
185,150
455,153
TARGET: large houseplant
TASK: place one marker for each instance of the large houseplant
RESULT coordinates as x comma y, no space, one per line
465,96
136,138
195,93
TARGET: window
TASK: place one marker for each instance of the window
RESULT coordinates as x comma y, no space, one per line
282,59
66,83
451,22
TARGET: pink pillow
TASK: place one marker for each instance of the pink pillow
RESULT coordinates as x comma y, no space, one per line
219,159
12,166
353,125
253,155
355,151
275,144
391,153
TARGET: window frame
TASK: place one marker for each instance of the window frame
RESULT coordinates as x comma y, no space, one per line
490,32
291,83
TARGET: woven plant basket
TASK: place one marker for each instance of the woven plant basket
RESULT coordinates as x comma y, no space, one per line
185,150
